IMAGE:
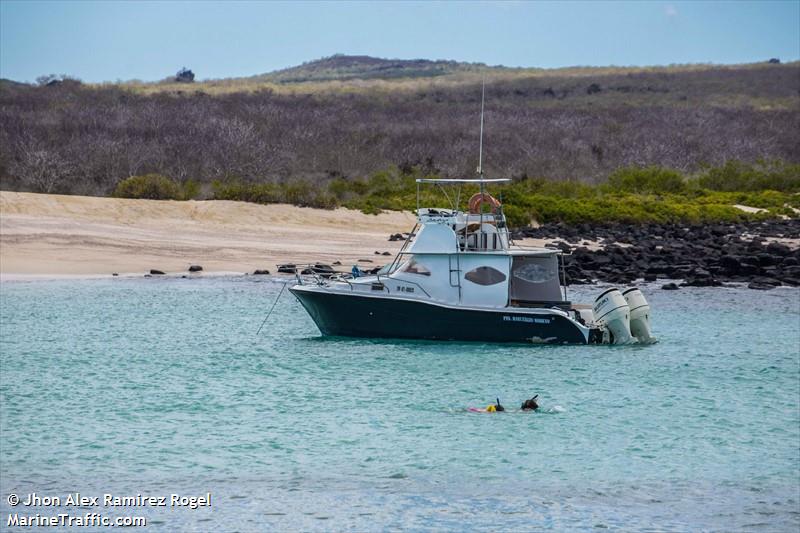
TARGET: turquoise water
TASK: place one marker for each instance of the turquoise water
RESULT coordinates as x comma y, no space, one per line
161,386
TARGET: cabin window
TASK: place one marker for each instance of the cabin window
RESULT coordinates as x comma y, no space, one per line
535,279
415,267
485,275
535,271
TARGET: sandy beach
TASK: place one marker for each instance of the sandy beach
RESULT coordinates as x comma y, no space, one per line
51,235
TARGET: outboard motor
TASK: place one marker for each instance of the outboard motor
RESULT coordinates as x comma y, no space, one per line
612,311
640,315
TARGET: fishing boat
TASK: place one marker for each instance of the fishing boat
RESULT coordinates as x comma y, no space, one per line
459,276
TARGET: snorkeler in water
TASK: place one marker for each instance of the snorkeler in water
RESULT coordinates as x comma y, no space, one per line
491,408
527,405
530,405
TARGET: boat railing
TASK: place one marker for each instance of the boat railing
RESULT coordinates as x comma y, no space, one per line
314,272
541,249
344,277
481,241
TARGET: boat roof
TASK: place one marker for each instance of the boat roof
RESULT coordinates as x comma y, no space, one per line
462,180
512,251
516,250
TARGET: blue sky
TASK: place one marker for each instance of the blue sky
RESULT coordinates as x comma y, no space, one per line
111,40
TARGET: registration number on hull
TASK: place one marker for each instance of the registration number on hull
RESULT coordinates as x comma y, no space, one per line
528,319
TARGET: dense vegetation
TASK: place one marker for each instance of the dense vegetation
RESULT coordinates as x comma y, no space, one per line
324,134
155,187
632,195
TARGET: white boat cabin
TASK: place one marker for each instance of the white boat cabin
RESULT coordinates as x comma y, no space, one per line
467,258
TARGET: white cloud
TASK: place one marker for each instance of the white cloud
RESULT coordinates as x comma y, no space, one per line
670,11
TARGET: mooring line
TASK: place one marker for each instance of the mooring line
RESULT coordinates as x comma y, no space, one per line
283,286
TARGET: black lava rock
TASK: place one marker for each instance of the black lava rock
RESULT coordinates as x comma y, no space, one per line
777,248
702,282
702,255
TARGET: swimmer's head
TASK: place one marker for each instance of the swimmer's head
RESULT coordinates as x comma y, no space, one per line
530,405
490,409
499,407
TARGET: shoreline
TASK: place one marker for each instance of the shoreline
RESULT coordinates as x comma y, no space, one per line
59,235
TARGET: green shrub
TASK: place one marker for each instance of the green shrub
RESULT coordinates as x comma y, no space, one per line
632,195
190,190
260,193
516,216
738,176
648,180
297,193
148,186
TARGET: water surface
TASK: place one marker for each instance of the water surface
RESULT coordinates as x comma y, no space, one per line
159,386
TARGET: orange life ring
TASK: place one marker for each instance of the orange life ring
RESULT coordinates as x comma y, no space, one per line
478,199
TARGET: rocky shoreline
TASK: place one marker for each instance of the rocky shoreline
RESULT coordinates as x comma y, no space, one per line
762,254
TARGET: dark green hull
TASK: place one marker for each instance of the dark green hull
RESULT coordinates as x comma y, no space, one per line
353,315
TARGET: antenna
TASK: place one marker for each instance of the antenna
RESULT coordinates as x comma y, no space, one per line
480,149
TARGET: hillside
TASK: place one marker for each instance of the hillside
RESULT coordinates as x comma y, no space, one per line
566,124
343,67
360,74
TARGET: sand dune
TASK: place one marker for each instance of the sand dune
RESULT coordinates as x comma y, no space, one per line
53,235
